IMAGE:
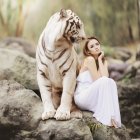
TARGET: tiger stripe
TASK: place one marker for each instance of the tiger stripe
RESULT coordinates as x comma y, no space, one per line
65,61
47,86
42,62
67,23
43,74
63,73
40,51
72,23
42,41
60,55
44,48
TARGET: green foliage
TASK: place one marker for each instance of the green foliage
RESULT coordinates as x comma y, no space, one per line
10,17
127,79
109,51
94,126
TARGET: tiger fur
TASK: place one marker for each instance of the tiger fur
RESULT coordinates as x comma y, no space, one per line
57,65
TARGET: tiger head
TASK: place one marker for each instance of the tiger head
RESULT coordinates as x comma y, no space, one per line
64,24
74,28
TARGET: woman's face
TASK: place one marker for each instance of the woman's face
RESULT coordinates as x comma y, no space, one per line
94,47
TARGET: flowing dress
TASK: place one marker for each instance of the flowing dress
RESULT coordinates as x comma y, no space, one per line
99,96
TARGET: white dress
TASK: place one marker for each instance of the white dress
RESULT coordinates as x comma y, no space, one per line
99,96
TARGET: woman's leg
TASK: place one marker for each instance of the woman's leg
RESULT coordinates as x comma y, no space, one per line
107,110
116,119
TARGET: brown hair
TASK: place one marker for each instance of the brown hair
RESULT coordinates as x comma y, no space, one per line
86,50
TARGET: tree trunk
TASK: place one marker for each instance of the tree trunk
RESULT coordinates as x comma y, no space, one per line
138,10
130,30
20,22
3,23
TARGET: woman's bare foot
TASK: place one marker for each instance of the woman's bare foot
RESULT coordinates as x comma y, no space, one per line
114,123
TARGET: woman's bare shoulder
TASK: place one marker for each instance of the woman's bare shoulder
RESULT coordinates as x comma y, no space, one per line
89,59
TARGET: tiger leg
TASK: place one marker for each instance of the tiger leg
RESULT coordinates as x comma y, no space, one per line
75,112
63,111
45,91
56,96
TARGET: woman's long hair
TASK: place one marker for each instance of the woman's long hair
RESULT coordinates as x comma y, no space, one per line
86,51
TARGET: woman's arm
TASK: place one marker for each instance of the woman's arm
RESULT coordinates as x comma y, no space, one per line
91,65
103,67
106,68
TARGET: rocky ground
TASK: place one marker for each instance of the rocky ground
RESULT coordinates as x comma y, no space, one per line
20,118
21,107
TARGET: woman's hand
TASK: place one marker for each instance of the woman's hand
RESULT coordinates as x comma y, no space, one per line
103,67
101,55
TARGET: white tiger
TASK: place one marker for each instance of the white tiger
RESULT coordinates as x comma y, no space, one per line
57,64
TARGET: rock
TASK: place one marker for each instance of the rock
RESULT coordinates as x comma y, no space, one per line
102,132
20,119
129,97
138,75
20,44
132,72
114,61
122,53
138,56
115,75
19,67
20,109
74,129
136,64
119,70
116,68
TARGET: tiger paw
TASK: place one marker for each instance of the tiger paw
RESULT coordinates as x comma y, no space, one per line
62,114
76,114
48,114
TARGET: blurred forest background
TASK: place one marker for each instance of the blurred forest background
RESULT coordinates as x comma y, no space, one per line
116,23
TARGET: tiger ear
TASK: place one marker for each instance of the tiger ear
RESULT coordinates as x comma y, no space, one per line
63,13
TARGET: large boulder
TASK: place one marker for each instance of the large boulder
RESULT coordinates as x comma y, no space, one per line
119,70
20,109
20,44
138,55
102,132
116,68
122,53
18,66
129,95
20,119
132,73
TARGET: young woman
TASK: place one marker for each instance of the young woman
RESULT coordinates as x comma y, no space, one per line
95,91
